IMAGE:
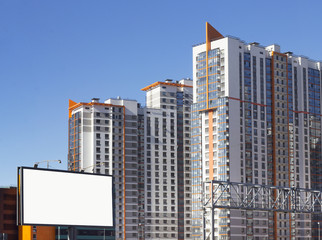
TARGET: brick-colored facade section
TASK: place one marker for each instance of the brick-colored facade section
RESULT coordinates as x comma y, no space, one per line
8,212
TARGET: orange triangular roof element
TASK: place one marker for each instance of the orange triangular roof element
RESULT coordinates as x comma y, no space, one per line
71,103
211,34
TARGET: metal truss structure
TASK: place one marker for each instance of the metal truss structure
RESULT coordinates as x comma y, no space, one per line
245,196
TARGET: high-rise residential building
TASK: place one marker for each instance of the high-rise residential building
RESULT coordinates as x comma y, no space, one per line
165,161
103,139
147,150
256,119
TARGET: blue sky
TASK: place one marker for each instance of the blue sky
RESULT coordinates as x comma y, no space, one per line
52,51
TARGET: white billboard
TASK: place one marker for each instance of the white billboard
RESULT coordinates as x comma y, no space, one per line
52,197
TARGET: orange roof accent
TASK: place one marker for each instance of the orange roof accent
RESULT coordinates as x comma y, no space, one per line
212,33
164,83
73,105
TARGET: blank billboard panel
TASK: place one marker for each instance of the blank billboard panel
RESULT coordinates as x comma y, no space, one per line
50,197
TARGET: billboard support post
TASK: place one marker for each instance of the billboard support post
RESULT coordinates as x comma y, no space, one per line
72,233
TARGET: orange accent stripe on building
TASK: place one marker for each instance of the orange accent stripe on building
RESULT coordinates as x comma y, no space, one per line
153,85
307,113
254,103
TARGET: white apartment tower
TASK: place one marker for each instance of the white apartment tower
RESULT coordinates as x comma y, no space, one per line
103,139
256,118
166,183
147,150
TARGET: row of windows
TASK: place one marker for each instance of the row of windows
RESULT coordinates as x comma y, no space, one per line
165,174
106,136
114,109
164,188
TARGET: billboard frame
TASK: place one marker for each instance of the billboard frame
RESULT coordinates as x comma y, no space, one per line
20,198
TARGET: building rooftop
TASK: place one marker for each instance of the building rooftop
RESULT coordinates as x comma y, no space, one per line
167,82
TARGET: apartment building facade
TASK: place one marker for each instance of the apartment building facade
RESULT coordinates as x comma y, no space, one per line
256,119
166,160
147,150
103,139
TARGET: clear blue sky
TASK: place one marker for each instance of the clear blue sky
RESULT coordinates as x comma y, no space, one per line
51,51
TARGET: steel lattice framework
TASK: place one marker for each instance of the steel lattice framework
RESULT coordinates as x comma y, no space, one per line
244,196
